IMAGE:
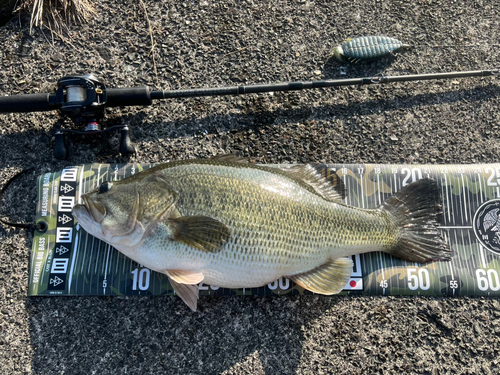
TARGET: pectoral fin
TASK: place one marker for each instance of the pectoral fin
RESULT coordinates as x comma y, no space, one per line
187,292
201,232
329,278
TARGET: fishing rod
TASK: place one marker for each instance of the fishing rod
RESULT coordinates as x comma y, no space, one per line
84,99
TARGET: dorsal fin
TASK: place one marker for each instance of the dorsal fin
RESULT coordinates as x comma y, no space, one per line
323,180
232,158
319,177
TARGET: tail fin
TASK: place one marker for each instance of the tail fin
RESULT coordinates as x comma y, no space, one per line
416,209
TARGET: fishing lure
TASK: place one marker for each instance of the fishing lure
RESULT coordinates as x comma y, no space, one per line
366,48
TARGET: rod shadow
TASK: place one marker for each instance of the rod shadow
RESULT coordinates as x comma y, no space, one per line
253,116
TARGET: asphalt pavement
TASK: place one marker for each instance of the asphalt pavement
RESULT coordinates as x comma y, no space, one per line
174,44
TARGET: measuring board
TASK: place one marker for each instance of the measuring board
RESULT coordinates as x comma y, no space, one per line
67,261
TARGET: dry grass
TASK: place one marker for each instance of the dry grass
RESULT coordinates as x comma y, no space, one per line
57,15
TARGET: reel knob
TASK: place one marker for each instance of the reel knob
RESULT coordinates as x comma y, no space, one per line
126,145
60,148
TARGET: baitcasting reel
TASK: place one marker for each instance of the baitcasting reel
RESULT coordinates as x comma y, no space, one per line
83,99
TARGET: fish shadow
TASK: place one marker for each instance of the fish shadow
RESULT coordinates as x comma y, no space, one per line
149,335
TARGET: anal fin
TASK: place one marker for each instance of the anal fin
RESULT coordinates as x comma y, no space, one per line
329,278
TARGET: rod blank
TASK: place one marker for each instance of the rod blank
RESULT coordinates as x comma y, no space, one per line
305,85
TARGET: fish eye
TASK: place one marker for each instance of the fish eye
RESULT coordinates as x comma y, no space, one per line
105,186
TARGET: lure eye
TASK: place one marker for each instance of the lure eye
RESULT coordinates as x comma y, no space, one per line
105,186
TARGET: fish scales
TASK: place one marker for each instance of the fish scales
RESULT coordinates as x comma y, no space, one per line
273,223
233,224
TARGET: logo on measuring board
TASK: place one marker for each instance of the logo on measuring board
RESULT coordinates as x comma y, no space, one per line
61,250
64,219
55,281
67,188
487,225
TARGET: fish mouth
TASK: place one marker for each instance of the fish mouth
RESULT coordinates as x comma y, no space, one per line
95,209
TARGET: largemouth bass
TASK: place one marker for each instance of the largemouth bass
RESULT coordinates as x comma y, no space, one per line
233,224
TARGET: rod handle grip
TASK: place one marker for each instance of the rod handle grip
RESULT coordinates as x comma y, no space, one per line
27,103
128,96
